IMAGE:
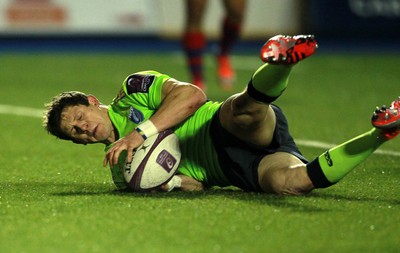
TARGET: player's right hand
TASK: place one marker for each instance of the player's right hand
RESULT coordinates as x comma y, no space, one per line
129,143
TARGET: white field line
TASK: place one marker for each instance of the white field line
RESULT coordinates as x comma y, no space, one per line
37,113
324,145
21,111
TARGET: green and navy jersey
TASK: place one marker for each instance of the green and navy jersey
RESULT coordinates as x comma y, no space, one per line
138,99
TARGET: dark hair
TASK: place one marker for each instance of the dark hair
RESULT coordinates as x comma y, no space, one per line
52,118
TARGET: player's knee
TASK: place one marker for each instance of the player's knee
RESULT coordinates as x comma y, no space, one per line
294,190
290,181
245,115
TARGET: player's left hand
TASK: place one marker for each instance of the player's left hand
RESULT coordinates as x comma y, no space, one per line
183,183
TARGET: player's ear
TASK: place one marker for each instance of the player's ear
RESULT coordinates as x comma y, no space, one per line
93,100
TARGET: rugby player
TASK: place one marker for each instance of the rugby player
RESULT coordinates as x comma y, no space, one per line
243,141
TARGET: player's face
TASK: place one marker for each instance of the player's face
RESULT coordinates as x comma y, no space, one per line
87,124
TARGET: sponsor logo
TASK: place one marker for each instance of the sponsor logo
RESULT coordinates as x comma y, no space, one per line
135,115
138,83
166,160
328,158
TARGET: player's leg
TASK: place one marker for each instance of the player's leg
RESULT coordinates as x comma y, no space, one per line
283,173
334,164
194,40
230,32
248,115
268,82
294,177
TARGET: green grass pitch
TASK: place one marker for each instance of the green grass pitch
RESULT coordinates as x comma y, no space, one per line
56,196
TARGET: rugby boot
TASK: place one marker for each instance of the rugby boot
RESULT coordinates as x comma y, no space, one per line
288,50
388,119
226,74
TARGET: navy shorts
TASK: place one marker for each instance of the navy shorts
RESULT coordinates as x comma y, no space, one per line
239,160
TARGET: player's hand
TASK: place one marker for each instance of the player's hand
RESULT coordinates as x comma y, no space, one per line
129,143
183,183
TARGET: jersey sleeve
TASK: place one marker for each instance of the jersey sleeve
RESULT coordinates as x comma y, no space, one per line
144,89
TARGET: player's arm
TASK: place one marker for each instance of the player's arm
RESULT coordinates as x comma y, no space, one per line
183,183
179,101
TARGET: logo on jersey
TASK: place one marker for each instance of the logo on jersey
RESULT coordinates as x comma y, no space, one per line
135,115
138,83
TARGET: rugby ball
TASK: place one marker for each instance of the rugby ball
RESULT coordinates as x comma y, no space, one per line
154,162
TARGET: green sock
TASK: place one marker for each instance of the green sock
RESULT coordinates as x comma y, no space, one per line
334,164
268,82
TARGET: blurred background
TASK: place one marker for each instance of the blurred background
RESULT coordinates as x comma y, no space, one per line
55,24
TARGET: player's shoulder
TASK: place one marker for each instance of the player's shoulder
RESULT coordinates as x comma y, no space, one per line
140,82
146,75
